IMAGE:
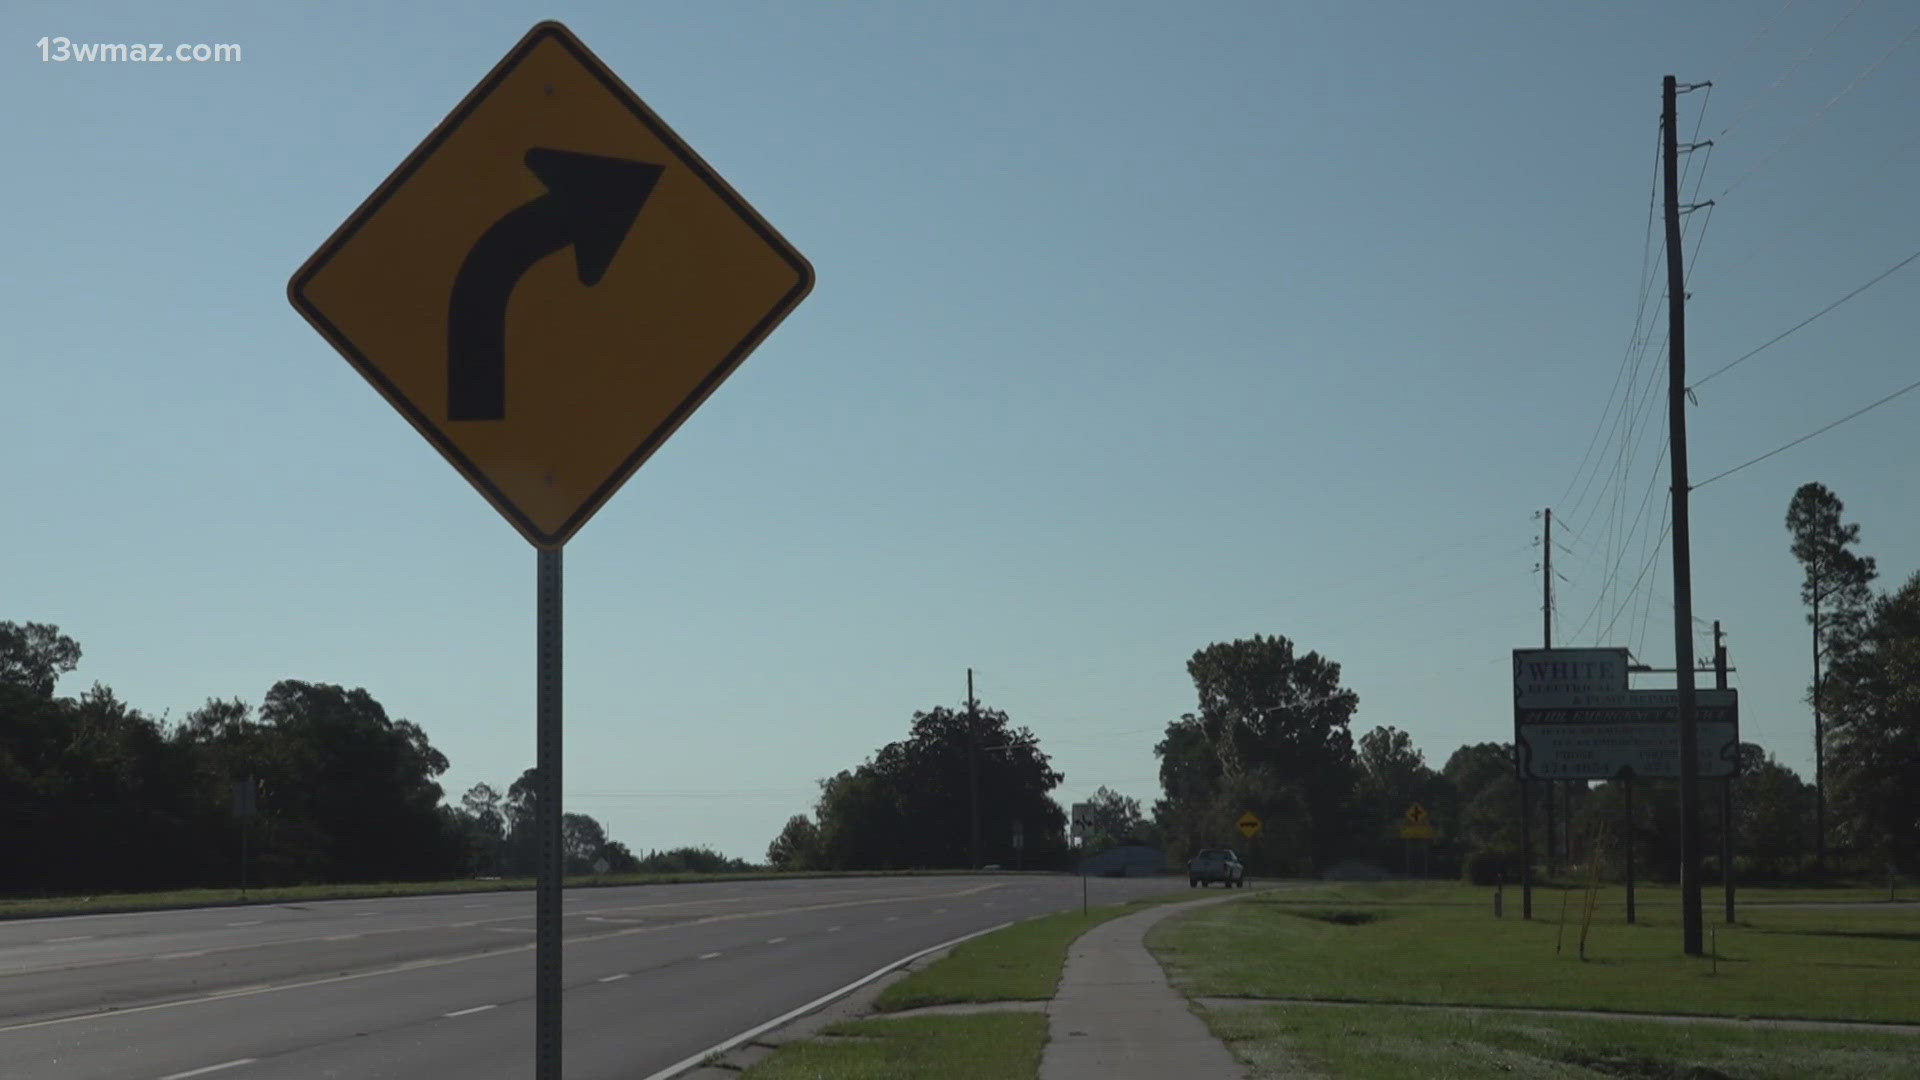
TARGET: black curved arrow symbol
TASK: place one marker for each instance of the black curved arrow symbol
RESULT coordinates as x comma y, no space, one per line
590,204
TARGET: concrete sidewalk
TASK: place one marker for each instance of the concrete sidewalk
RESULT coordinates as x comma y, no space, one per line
1115,1017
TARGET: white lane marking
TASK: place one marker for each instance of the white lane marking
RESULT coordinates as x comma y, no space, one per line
179,955
210,1068
469,1012
511,929
80,937
775,940
708,955
472,905
752,1033
250,922
835,929
893,918
341,937
364,914
613,978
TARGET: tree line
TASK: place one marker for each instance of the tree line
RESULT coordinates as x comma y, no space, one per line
100,796
1272,733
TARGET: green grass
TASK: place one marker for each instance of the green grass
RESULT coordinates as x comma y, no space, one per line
1423,943
38,907
1002,1046
1384,1043
1020,963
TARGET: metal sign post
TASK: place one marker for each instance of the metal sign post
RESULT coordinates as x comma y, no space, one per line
546,815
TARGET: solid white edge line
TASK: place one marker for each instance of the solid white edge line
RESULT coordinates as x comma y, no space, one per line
210,1068
469,1012
752,1033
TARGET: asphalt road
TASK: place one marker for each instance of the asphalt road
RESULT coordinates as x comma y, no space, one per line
442,985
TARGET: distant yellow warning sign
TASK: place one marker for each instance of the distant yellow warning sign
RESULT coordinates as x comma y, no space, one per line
1416,825
1249,825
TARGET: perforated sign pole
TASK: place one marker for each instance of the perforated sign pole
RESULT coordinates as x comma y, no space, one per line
547,817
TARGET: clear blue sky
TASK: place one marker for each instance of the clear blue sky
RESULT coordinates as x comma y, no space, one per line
1138,327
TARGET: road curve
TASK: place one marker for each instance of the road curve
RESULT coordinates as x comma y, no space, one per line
442,985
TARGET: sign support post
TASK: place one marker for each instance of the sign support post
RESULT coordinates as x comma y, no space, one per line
547,813
550,155
1629,838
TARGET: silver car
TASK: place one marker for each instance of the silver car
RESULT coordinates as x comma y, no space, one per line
1216,864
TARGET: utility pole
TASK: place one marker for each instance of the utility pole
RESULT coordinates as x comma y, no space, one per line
1692,931
973,775
1546,632
1726,785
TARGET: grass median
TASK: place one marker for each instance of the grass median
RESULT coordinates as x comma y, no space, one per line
1422,943
1022,962
1001,1046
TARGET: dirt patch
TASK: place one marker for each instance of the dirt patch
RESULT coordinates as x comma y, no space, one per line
1341,917
1631,1067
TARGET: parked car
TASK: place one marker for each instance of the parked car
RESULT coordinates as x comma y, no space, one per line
1216,864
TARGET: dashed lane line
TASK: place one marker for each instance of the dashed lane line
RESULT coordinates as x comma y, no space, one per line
486,954
204,1070
708,955
612,978
469,1012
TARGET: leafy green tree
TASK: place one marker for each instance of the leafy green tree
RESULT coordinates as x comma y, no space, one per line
1262,706
356,784
33,656
1873,694
1772,805
797,847
910,804
582,839
1836,587
1112,819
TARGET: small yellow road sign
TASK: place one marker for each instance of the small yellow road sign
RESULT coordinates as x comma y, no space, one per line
1417,825
550,284
1249,825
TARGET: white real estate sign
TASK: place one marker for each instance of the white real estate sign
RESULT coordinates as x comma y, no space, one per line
1603,735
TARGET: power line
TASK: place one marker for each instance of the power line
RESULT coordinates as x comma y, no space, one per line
1909,388
1757,35
1648,565
1795,66
1816,117
1861,179
1877,279
1646,287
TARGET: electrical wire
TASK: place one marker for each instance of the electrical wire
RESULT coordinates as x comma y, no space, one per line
1907,389
1648,565
1816,117
1795,66
1646,287
1784,334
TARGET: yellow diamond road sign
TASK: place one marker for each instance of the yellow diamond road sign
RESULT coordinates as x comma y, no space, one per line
1249,825
550,284
1418,825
